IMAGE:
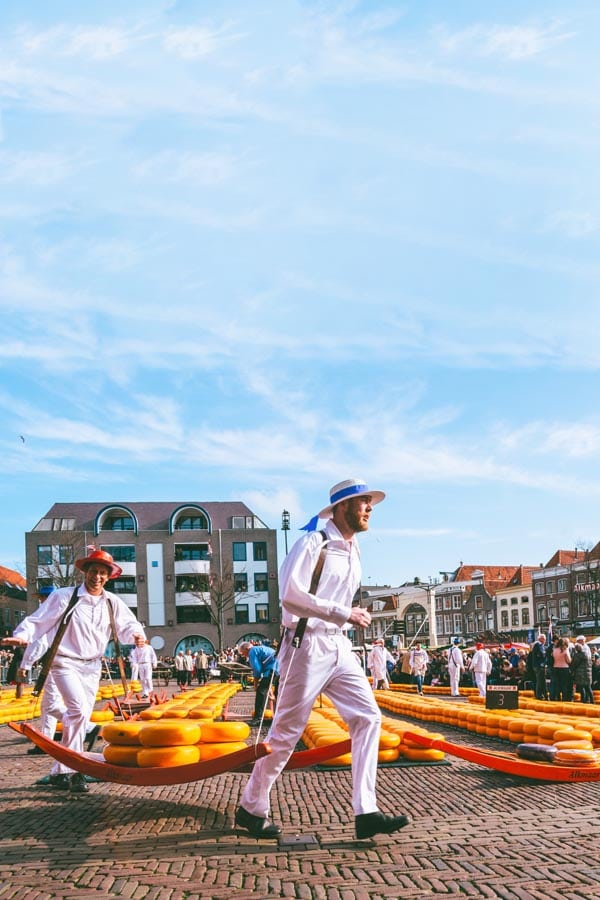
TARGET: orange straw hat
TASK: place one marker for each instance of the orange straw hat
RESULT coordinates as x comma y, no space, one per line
101,558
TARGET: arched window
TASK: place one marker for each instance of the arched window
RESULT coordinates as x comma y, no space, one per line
116,518
190,518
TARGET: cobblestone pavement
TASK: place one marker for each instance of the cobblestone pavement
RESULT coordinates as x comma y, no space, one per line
475,832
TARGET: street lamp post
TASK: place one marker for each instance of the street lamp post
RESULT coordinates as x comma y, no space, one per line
285,527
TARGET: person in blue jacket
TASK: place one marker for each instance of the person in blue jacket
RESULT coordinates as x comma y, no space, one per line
263,662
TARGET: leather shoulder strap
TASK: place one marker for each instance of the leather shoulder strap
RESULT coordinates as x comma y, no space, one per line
314,584
48,657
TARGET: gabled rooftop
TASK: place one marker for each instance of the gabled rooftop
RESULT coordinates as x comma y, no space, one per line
12,578
151,516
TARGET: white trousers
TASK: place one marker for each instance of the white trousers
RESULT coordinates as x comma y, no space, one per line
454,675
52,707
77,682
146,677
480,682
135,671
324,663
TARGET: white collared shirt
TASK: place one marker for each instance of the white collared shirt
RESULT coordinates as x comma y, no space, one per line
88,631
340,579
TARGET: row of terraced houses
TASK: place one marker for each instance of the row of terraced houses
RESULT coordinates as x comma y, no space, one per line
200,574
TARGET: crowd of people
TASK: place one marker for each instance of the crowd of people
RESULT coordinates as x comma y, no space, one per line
555,670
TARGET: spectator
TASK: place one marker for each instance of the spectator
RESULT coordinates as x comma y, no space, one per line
419,660
539,663
201,666
561,656
581,669
180,670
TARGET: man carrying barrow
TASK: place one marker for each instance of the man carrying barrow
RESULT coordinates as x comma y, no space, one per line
88,616
316,656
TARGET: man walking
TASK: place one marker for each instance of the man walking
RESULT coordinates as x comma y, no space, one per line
481,666
316,656
87,612
456,666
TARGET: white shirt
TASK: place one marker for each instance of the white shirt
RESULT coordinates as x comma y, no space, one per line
455,657
481,662
88,631
144,654
419,660
340,579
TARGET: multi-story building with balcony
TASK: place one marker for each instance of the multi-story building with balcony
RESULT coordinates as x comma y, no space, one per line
465,602
193,572
552,595
514,607
13,600
402,614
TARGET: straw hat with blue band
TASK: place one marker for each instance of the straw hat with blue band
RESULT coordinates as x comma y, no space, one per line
345,490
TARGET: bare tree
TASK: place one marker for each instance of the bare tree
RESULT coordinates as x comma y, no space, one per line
219,595
57,569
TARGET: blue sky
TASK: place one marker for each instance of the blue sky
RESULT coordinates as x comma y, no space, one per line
249,249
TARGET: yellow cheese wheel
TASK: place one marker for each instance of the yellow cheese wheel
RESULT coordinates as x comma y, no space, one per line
571,734
122,732
102,715
217,732
344,760
212,751
577,757
120,755
574,745
201,712
153,712
547,729
422,754
167,756
176,712
389,755
173,733
388,741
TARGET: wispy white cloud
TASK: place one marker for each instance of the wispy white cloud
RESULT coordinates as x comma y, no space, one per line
191,168
566,440
37,169
574,224
194,42
509,42
102,42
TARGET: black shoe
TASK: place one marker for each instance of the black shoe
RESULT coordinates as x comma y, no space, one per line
34,751
254,723
59,781
90,738
370,824
257,826
78,784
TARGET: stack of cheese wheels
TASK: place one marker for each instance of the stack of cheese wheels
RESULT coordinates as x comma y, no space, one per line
575,747
171,742
221,738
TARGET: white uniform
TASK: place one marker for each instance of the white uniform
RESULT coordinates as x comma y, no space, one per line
323,662
77,664
145,659
456,665
134,666
481,666
376,661
52,707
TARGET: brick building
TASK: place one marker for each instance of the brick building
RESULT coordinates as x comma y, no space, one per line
193,572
